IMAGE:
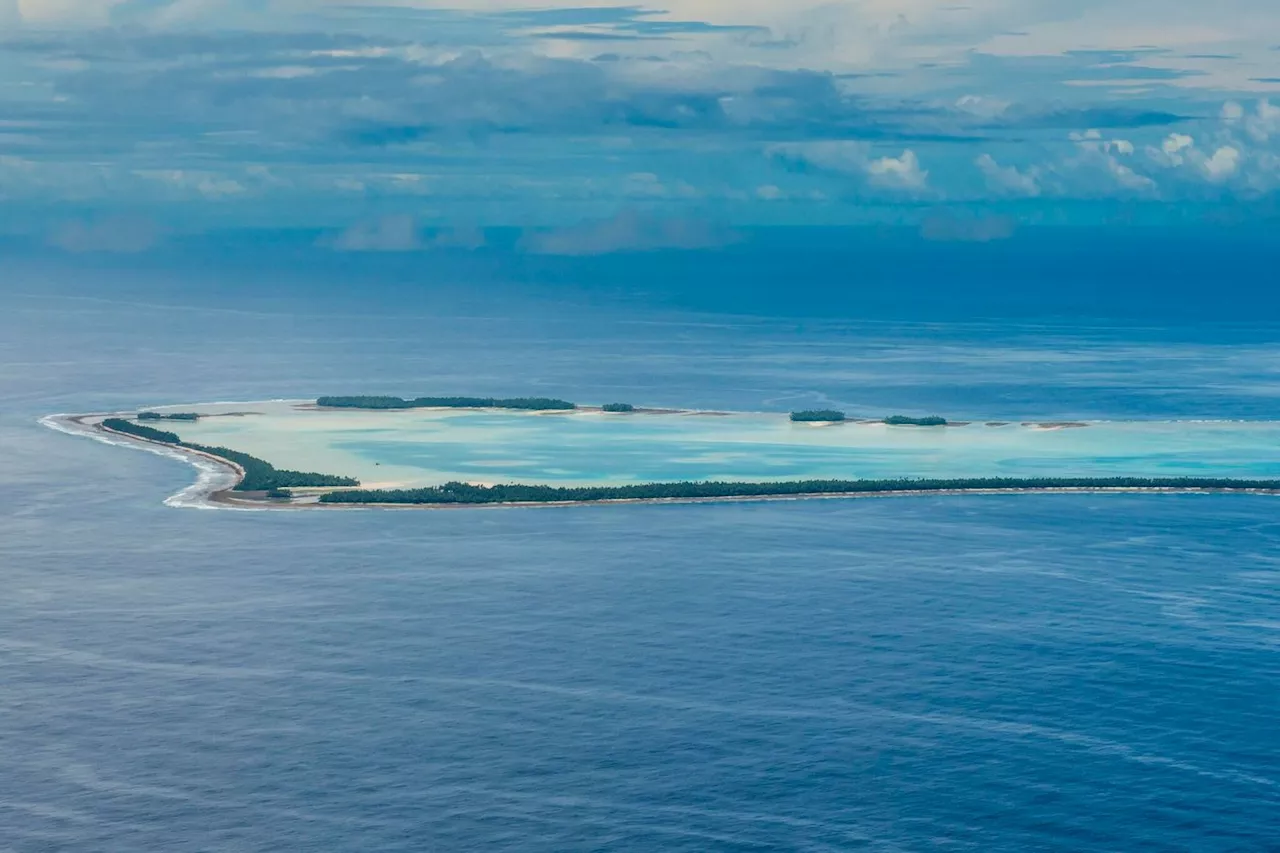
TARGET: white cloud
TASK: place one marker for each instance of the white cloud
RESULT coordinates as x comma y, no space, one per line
847,158
983,106
1180,150
836,36
349,101
1260,125
72,12
207,184
1173,150
902,173
1099,153
1127,178
1176,142
396,233
1092,140
1007,180
1222,165
1264,123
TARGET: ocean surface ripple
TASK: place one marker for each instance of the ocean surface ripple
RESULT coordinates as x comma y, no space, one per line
979,673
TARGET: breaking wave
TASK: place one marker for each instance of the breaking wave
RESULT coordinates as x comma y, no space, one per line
212,476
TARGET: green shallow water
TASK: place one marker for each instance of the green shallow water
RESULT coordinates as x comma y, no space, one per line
428,447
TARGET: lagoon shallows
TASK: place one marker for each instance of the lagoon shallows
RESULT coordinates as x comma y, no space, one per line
415,448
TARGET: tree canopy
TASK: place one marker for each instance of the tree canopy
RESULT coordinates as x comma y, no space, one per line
526,403
818,416
903,420
466,493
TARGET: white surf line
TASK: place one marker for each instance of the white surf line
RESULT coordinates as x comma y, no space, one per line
213,475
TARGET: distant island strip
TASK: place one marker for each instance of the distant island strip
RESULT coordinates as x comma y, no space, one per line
466,493
176,416
818,416
551,404
260,482
532,404
832,416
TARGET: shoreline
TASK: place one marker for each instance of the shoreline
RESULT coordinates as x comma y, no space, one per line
218,477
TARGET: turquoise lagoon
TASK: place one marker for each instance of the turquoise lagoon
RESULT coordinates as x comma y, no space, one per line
427,447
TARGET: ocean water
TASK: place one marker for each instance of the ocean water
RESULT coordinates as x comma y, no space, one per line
978,673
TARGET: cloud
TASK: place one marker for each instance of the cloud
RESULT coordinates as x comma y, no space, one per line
1093,140
1223,164
629,231
396,233
1127,177
1260,125
1232,111
846,158
207,184
1174,145
1098,154
369,92
901,173
506,111
118,234
1007,180
75,12
1180,150
649,185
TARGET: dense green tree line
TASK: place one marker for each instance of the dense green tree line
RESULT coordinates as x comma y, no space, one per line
539,404
903,420
261,475
464,493
618,407
817,416
258,474
149,433
176,416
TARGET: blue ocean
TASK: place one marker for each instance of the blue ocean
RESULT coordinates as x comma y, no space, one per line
976,673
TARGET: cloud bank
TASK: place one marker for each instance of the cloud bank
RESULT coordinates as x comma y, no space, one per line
240,113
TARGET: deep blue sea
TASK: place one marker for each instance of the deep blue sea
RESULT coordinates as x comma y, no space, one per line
996,673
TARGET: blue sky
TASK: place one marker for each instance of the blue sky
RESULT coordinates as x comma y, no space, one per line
594,127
